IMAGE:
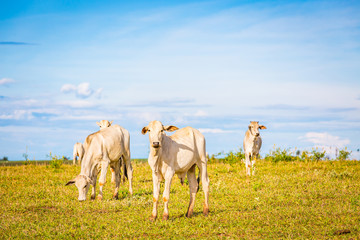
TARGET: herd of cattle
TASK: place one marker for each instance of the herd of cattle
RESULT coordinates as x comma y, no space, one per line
178,154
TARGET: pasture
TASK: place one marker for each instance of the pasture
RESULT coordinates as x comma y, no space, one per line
285,200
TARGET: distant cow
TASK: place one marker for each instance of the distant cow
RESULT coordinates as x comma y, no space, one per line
177,154
102,149
104,124
78,152
252,145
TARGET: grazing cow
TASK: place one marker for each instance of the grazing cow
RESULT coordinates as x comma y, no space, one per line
104,124
102,149
252,145
177,154
78,152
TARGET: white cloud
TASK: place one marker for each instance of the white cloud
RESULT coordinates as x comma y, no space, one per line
214,130
5,81
82,90
98,92
77,104
200,113
66,88
17,115
325,139
326,142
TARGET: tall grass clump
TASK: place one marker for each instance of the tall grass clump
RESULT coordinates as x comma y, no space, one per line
56,161
230,157
280,155
286,155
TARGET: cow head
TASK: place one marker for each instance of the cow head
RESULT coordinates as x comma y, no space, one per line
254,128
156,132
104,124
82,182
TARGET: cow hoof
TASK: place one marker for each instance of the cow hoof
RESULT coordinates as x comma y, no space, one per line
206,212
189,214
99,197
153,218
165,217
92,197
116,197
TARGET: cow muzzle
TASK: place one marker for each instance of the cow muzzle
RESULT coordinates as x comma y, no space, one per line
156,144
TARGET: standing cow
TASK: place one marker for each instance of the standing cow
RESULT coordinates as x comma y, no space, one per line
252,145
177,154
102,149
78,152
105,124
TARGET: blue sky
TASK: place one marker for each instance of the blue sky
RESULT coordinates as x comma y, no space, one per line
213,65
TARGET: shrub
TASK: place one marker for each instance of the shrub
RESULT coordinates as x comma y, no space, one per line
316,155
344,154
279,154
231,157
56,162
234,157
4,159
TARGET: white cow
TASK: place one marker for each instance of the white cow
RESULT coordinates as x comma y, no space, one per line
177,154
104,124
102,149
252,145
78,152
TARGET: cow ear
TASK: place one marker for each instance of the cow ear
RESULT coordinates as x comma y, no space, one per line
98,124
110,123
170,128
70,182
144,130
262,127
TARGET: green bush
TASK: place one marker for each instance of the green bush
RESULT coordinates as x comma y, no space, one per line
4,159
344,154
278,155
317,155
56,161
231,157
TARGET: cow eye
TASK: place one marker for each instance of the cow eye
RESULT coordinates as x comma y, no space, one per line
85,186
162,130
149,130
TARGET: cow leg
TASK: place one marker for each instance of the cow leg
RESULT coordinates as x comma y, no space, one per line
205,185
168,177
112,169
102,178
74,159
117,175
123,167
248,164
129,171
156,193
253,164
193,185
93,190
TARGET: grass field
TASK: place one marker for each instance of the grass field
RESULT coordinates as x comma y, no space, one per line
285,200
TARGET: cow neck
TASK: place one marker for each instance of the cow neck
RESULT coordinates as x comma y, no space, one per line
87,166
252,137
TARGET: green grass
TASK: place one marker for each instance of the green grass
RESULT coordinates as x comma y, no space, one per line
285,200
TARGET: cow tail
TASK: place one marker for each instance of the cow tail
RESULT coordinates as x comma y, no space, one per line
125,170
198,181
